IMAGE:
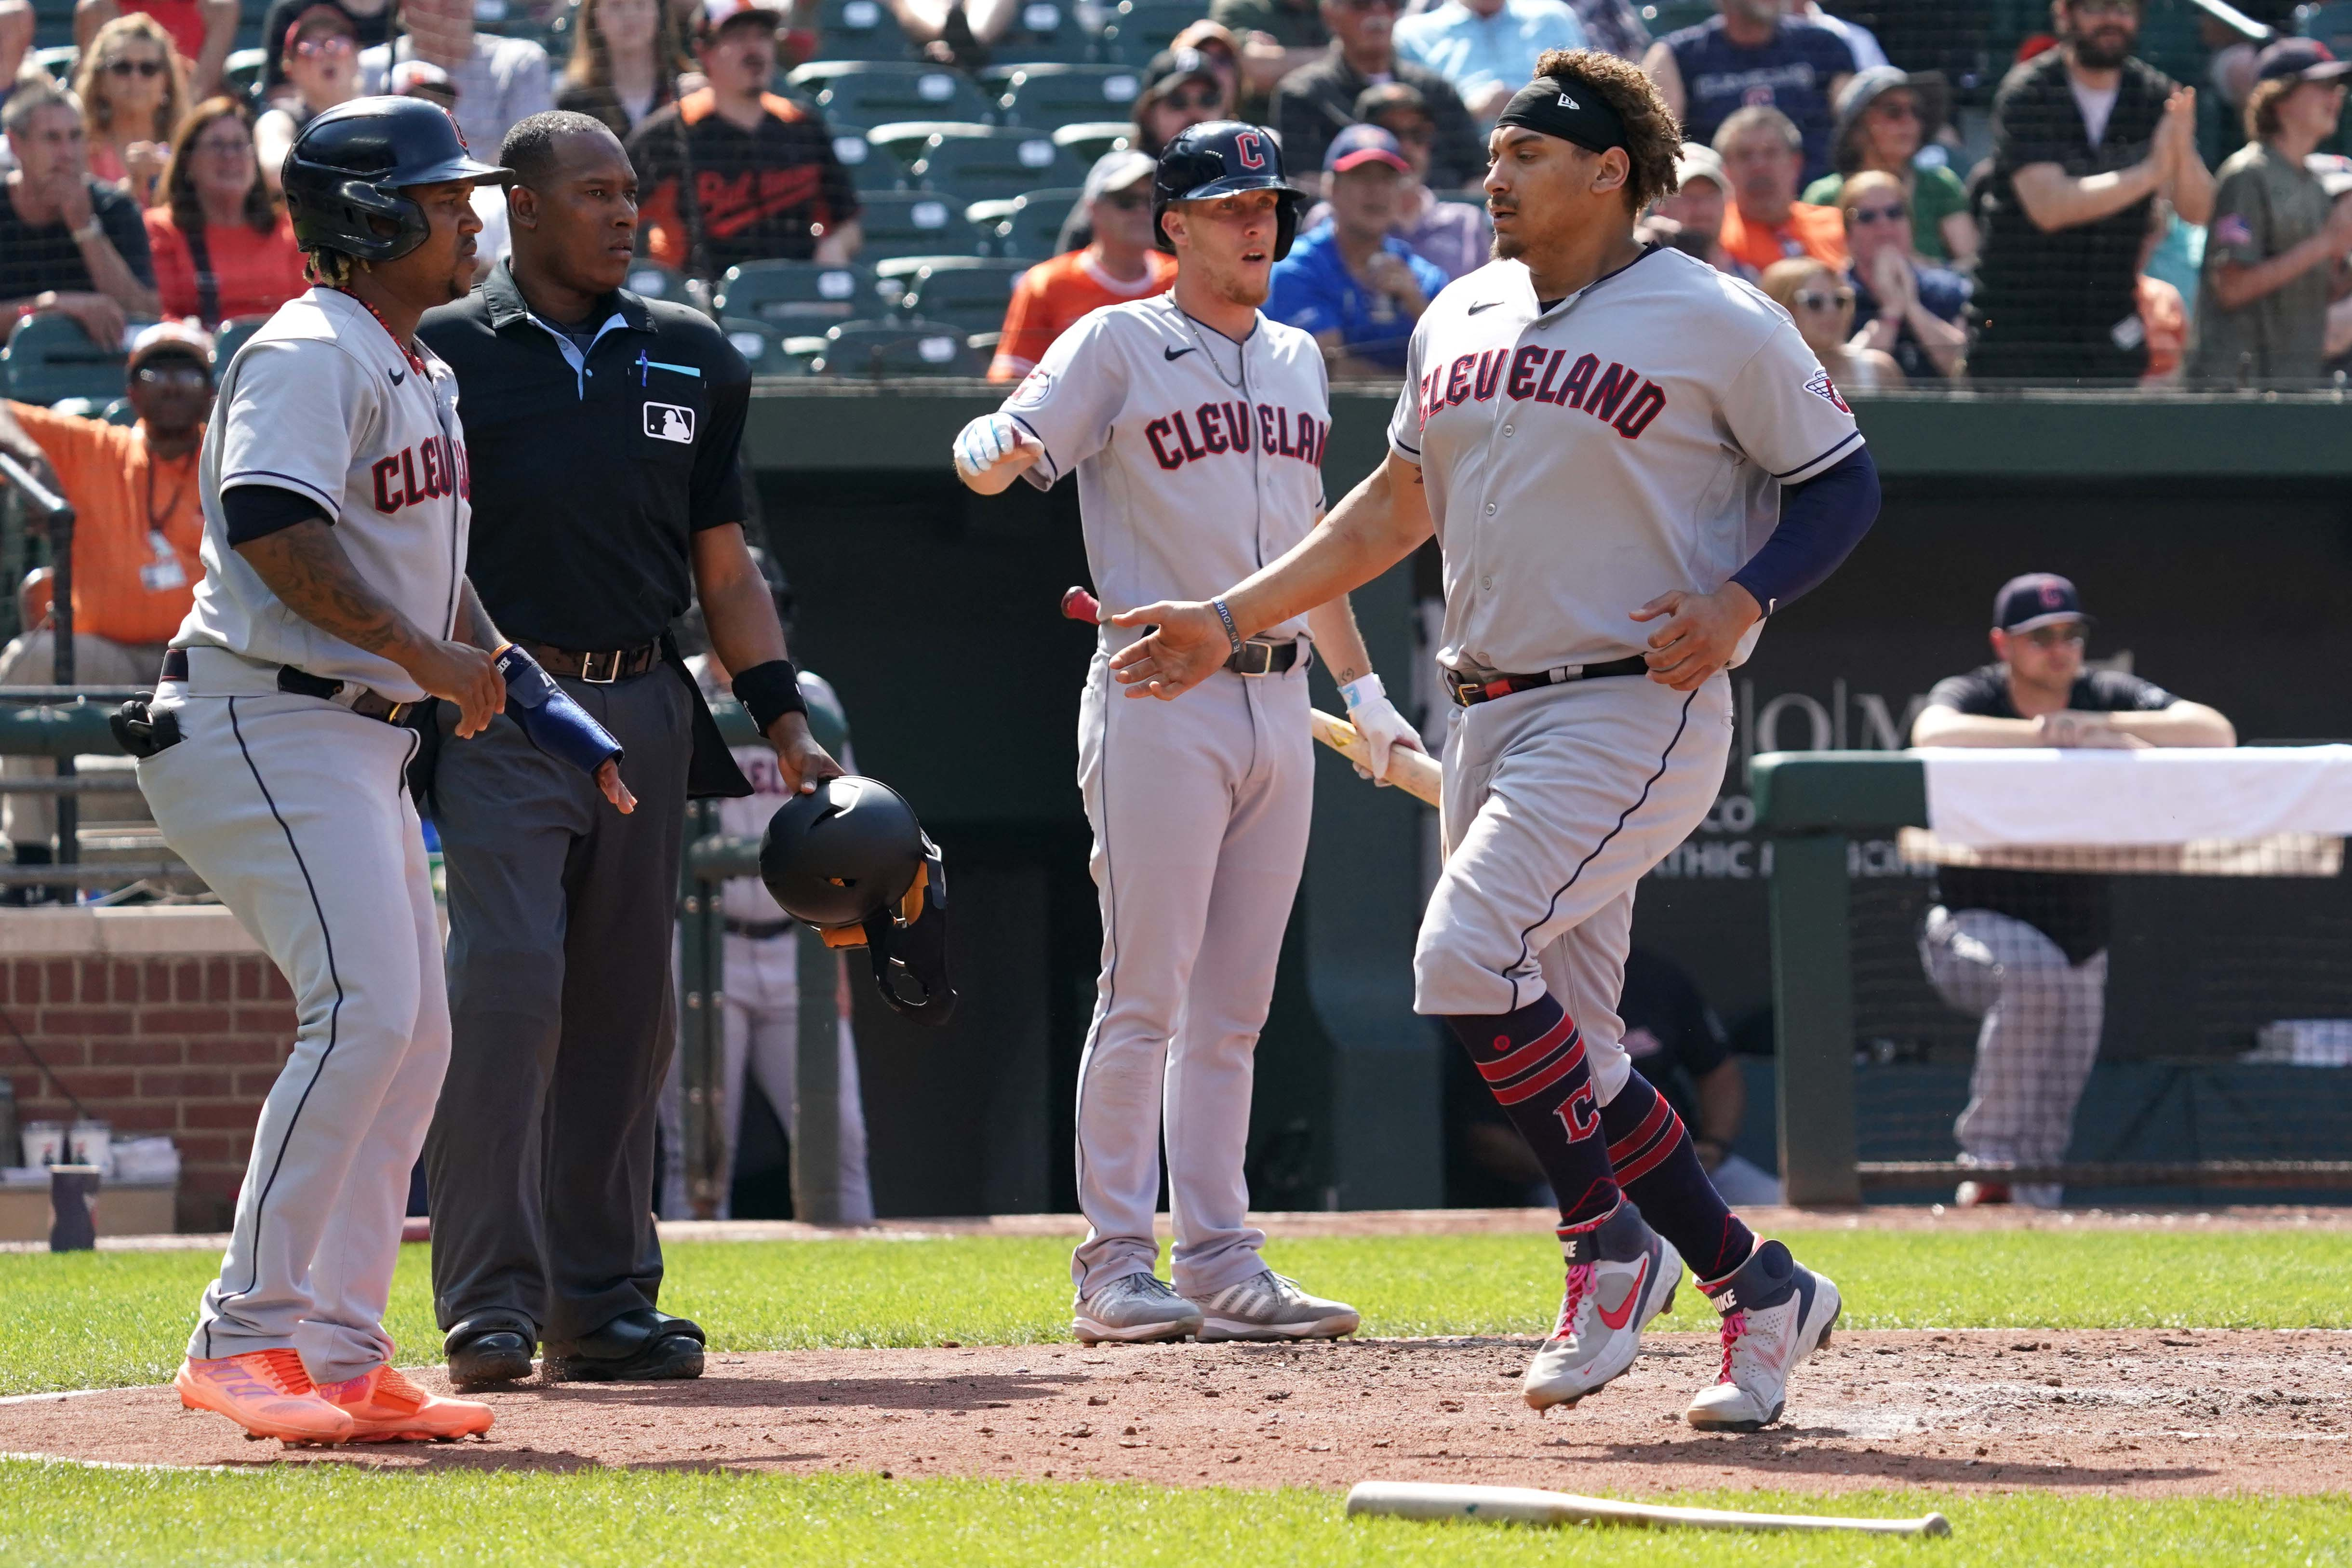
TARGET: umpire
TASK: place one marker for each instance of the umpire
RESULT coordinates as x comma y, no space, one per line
602,431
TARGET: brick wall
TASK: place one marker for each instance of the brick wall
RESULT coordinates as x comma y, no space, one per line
182,1046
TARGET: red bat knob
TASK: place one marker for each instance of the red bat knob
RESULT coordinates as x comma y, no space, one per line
1080,606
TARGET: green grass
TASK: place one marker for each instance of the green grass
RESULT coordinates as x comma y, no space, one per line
93,1320
55,1513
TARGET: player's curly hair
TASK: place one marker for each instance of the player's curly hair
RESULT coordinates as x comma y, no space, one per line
1653,136
332,267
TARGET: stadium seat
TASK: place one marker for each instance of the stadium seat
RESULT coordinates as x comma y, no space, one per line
1138,29
233,335
1048,97
861,93
870,167
119,412
50,357
861,30
896,348
241,73
802,353
1021,227
965,291
903,140
1007,162
912,223
760,342
801,297
1046,30
58,62
80,407
1091,140
652,280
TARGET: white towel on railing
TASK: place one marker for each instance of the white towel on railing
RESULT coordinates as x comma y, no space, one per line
1983,797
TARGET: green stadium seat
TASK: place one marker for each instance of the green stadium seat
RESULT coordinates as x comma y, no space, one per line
863,93
802,353
50,357
1674,15
797,297
1139,29
233,334
652,280
903,140
241,73
1093,138
871,168
119,412
1007,161
58,62
897,348
762,345
966,292
861,30
912,223
1045,30
1022,227
80,407
1048,97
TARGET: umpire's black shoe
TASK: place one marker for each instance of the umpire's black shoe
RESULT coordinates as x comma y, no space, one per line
634,1346
491,1353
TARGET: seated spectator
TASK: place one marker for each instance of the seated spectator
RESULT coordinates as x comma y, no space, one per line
625,59
132,95
1613,27
2274,256
221,246
2027,951
138,525
1278,37
498,81
1353,283
1317,101
1693,214
200,32
731,173
1486,49
1821,301
1902,307
322,64
371,23
1457,237
1213,43
2083,136
1883,119
1762,150
1120,263
67,243
1750,56
1181,89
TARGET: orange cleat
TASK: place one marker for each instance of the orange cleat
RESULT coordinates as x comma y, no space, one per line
265,1392
384,1407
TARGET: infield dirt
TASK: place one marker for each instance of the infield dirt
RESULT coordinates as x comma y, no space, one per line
2144,1413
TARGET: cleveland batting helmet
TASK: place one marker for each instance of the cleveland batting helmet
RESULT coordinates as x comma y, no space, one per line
1216,160
352,165
851,861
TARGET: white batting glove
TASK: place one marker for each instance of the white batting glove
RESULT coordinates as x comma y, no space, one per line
986,442
1382,726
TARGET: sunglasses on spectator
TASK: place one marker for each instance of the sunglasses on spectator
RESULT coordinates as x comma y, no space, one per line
1125,201
1204,98
134,68
1866,216
184,373
1816,300
2074,633
330,44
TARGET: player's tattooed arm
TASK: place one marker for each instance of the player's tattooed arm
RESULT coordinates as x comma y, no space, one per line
474,623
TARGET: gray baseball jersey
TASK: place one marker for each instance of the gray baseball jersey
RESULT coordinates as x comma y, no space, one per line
1584,459
324,404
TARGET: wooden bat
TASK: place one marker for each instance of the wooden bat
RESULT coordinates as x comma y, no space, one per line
1525,1505
1412,772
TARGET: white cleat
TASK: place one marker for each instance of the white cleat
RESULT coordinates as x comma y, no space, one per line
1621,1274
1267,1306
1133,1308
1776,1312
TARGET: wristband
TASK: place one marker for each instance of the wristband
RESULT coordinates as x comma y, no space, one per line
1362,689
88,232
769,691
1226,615
549,718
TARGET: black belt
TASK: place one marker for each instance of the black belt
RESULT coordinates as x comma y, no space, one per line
600,667
1266,655
302,683
758,930
1469,693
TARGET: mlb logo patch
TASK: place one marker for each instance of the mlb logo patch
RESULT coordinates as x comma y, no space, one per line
670,421
1035,388
1823,388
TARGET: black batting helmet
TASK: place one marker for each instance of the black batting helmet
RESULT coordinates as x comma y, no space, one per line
350,164
1216,160
851,861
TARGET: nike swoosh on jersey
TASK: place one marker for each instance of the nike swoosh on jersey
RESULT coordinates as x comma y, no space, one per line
1617,1319
1482,305
1175,354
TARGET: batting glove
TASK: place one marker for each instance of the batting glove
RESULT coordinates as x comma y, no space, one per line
986,442
1382,726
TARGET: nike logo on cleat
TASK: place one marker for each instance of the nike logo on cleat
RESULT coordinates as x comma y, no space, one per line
1618,1319
1175,354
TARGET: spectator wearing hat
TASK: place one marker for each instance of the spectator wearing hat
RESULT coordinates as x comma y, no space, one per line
1457,237
132,89
1181,89
2274,255
1216,44
1486,49
1750,55
2027,951
200,32
626,56
498,81
1353,283
1888,121
1276,37
1763,152
731,173
1120,263
1317,101
2084,135
138,526
1690,220
1902,307
321,55
67,243
221,246
371,21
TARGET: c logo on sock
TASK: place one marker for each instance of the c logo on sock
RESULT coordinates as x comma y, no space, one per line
1575,1113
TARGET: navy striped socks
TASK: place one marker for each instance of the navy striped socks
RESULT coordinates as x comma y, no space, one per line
1650,1153
1533,1062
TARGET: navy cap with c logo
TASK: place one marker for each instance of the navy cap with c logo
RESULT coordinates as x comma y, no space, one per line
2036,599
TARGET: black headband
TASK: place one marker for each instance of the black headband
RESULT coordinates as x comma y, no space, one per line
1568,110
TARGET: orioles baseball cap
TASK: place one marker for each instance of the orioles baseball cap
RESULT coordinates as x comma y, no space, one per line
718,13
2036,599
1361,144
2300,60
175,338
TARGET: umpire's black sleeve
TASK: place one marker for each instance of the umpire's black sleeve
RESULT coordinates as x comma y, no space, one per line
717,497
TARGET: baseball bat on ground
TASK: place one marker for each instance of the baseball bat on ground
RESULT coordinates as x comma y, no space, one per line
1526,1505
1412,772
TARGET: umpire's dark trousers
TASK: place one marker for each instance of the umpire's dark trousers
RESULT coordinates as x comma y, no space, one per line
540,1160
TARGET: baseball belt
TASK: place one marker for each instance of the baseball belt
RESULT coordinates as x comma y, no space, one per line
1469,692
599,668
1268,656
348,694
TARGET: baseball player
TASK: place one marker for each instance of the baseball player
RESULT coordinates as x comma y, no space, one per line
1628,459
334,483
1196,429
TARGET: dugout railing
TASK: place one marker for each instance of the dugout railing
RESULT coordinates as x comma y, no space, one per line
1814,809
